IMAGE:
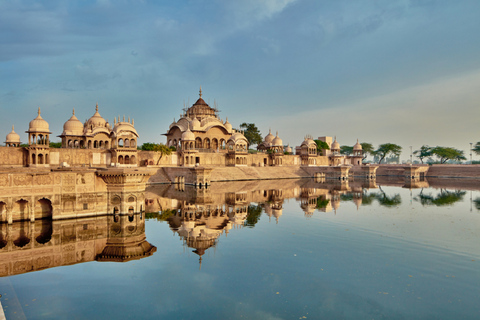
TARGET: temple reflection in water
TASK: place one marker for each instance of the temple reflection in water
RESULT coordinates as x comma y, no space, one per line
31,246
198,216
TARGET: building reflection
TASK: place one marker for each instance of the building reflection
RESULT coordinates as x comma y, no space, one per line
31,246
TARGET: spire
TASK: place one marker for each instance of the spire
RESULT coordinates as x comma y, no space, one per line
38,110
123,118
114,120
73,112
277,133
96,107
133,122
12,129
200,91
128,119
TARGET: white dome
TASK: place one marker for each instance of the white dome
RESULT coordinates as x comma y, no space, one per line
38,125
96,120
335,145
277,142
195,124
12,137
228,126
357,146
188,135
269,137
73,126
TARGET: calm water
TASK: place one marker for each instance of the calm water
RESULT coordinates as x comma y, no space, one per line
305,251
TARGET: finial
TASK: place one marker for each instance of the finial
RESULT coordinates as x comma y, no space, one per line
114,120
73,111
123,118
38,110
269,130
128,119
96,107
12,128
200,91
277,133
133,122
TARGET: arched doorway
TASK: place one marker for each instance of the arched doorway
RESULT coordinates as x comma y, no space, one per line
43,209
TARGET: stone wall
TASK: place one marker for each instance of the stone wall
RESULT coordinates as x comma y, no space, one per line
13,156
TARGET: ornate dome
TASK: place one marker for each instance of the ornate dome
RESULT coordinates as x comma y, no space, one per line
228,125
73,126
357,146
335,145
200,109
307,142
13,137
277,142
288,149
38,125
269,137
188,135
96,120
237,136
122,126
195,124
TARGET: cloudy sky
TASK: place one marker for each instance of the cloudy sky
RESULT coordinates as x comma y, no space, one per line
406,72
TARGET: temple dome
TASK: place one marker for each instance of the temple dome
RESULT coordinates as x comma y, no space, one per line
357,146
195,124
188,135
228,125
335,145
38,124
269,137
237,136
277,142
288,149
73,126
12,137
96,120
307,142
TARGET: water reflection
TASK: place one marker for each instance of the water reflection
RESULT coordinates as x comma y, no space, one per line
30,246
443,198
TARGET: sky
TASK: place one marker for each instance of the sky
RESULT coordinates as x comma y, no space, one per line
404,72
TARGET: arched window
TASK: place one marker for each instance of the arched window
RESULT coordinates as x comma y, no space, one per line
95,144
133,143
127,160
100,144
198,143
106,144
70,143
133,160
206,143
40,159
120,159
127,143
120,143
214,143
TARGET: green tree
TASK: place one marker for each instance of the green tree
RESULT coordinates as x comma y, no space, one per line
254,213
424,152
387,149
388,201
157,147
347,150
367,149
55,144
448,153
476,148
321,145
252,133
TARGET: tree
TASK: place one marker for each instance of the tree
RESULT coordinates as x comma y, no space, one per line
476,148
386,149
347,150
252,133
157,147
424,152
254,213
55,144
367,149
448,153
321,145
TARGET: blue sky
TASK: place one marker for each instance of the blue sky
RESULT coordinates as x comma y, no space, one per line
405,72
